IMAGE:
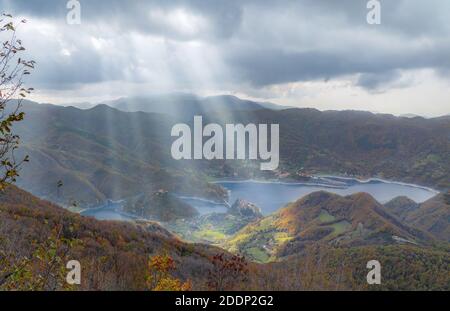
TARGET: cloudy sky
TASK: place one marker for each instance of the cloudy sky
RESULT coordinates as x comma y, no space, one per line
305,53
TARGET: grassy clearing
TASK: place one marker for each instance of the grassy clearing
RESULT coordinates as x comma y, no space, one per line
326,217
340,227
282,237
257,254
210,235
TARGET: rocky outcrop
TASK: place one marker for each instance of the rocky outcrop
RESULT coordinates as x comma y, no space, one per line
245,209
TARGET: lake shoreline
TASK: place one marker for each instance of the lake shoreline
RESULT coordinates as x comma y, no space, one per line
272,195
325,176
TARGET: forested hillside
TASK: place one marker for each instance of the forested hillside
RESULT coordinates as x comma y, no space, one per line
360,144
37,238
103,153
100,154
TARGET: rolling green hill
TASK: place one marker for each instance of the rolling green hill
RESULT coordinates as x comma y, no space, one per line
323,218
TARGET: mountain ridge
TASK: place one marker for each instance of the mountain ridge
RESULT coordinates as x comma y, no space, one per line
323,218
104,153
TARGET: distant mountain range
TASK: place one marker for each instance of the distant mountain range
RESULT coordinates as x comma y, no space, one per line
104,153
180,104
187,105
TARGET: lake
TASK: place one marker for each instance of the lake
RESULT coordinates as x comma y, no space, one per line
271,196
109,211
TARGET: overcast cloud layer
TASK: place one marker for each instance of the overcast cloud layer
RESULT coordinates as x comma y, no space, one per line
306,53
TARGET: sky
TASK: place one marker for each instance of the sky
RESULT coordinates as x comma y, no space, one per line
302,53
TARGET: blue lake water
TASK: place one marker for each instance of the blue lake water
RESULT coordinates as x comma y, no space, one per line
205,206
271,196
108,211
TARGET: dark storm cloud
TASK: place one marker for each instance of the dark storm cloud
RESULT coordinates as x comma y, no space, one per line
374,81
129,15
263,42
265,67
412,35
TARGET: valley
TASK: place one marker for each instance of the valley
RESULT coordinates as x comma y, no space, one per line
226,146
320,242
331,200
220,224
123,154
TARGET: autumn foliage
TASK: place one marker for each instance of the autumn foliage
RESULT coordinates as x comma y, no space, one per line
227,272
13,69
159,277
